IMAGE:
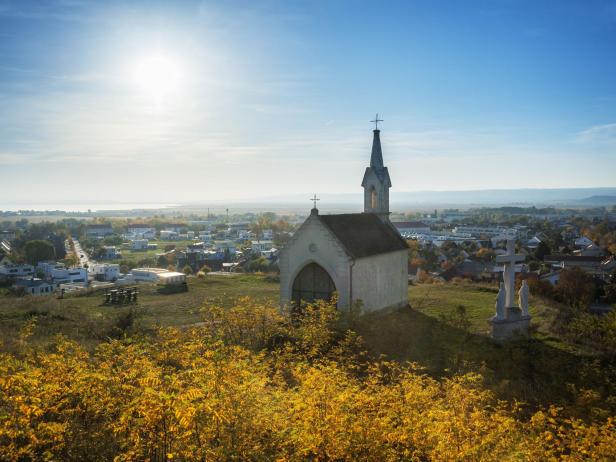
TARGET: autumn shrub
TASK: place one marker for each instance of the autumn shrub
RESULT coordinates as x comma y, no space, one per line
223,391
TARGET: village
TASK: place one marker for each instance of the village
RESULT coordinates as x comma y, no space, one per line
443,245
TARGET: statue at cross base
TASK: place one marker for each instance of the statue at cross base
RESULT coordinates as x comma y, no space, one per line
510,319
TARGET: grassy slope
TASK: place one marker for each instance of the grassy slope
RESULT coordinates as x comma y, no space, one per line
427,333
86,319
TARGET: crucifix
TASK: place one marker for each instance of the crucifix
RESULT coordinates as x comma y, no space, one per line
509,260
314,200
376,121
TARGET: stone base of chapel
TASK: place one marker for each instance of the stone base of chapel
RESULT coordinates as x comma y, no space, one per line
514,324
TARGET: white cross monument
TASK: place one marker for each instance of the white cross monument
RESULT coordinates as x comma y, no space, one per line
509,318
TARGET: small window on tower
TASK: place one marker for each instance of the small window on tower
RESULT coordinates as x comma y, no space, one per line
373,199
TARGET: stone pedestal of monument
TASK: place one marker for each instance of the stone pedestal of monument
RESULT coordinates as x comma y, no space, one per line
515,323
510,320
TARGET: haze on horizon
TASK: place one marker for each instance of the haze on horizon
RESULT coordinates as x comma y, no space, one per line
197,101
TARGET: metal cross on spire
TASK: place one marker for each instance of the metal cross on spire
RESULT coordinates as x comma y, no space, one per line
314,200
376,121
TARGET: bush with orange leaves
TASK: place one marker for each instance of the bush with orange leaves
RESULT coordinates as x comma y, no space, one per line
251,384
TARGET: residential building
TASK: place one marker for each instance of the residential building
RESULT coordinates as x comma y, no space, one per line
70,276
110,252
597,266
105,271
139,244
169,235
226,246
15,271
411,227
141,231
177,227
46,268
98,230
260,246
488,231
593,250
7,235
582,242
158,275
35,286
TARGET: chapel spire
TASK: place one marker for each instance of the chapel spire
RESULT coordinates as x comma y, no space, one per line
376,158
376,182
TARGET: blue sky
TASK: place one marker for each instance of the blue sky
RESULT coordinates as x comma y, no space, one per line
275,97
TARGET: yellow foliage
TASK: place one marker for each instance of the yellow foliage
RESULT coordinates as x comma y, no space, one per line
252,384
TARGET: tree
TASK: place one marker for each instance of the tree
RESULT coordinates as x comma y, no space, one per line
39,250
485,254
542,250
576,289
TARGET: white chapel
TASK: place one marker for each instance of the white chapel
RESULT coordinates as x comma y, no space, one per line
359,256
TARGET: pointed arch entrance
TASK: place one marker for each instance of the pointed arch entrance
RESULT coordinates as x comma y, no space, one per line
312,283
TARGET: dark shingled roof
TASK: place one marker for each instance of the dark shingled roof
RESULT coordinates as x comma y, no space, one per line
363,234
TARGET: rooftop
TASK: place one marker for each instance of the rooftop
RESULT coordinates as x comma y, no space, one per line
363,234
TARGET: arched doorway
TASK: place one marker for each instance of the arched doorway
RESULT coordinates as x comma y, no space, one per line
312,283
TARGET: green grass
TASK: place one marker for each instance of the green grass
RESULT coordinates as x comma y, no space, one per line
88,320
135,256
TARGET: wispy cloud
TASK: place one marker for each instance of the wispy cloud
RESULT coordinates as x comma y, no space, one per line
598,134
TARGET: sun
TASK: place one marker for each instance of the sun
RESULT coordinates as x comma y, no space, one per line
157,76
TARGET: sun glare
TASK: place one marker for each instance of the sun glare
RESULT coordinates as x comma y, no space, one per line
157,76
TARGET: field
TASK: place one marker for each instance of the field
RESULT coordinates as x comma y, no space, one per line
88,320
135,256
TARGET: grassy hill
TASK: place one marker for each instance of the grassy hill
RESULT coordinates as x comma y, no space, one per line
443,331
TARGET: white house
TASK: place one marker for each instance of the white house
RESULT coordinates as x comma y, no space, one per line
99,230
7,235
533,242
582,242
177,227
489,231
46,268
169,235
110,252
105,271
205,236
35,286
14,270
158,275
141,230
260,246
70,275
224,246
592,250
359,256
139,244
411,227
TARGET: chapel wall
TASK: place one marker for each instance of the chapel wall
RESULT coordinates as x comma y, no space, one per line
325,252
381,281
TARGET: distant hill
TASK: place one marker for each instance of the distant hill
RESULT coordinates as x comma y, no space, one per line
572,197
599,200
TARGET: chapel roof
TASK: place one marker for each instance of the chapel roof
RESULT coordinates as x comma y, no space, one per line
363,234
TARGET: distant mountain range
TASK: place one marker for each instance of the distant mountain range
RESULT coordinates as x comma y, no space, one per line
563,197
600,200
